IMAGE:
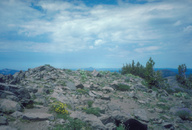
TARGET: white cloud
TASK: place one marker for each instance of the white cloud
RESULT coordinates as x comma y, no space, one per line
177,23
75,26
188,29
147,49
99,42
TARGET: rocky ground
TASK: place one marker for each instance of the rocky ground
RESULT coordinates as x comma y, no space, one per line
48,98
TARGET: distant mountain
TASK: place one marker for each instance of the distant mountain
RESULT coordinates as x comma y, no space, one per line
102,69
8,71
166,72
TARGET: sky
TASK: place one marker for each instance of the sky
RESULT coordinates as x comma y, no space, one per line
95,33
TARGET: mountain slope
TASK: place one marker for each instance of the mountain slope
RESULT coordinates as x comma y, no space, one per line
50,98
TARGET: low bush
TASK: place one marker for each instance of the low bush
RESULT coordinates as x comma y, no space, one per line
184,114
93,110
181,94
76,124
59,108
82,91
90,103
73,124
123,87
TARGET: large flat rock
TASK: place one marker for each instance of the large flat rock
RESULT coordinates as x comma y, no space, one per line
9,106
38,116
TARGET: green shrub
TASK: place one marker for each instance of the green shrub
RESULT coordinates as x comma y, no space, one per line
93,110
90,103
73,124
152,78
82,91
76,124
121,127
170,91
59,108
181,94
83,75
184,114
123,87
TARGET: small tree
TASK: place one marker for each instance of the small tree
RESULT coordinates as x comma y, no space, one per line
152,78
149,73
182,78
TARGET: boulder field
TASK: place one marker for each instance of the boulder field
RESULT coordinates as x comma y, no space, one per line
45,98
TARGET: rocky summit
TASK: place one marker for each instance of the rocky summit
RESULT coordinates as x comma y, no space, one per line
45,98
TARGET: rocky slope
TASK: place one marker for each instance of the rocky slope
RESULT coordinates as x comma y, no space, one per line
48,98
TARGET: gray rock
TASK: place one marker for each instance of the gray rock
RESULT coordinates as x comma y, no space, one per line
106,97
17,114
113,107
132,94
20,92
105,119
108,89
94,87
96,74
167,125
97,94
79,86
91,94
38,116
141,115
3,127
114,85
3,120
9,106
110,126
141,87
70,85
89,118
120,116
2,80
154,94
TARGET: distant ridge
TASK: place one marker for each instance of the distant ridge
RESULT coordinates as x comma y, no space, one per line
8,71
102,69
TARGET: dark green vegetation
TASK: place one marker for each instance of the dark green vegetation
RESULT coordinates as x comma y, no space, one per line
92,110
155,78
123,87
152,78
181,77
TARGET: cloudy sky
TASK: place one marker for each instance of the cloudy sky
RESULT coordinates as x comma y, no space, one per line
95,33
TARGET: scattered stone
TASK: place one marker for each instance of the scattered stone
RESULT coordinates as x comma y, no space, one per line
20,92
38,116
79,86
133,124
141,102
167,125
3,120
70,85
17,114
106,97
120,116
105,119
89,118
96,74
113,107
132,94
94,87
108,89
9,106
141,115
97,94
3,127
110,126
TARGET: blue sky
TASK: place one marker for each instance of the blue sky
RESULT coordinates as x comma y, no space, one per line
95,33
